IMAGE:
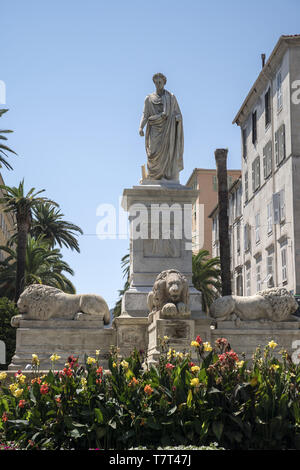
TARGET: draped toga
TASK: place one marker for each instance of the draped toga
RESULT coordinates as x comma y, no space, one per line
164,136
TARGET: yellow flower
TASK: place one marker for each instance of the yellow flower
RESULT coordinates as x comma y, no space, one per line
240,363
114,364
90,360
180,355
3,375
124,364
274,366
166,338
21,378
35,359
54,357
195,368
83,382
97,352
207,346
18,392
272,344
195,344
195,382
13,387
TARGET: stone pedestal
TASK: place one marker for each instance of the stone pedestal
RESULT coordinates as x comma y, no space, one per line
130,333
180,331
63,337
160,238
247,335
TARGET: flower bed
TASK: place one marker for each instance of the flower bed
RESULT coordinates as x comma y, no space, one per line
219,398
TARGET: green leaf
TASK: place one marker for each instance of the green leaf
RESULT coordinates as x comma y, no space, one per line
189,398
172,410
218,427
98,415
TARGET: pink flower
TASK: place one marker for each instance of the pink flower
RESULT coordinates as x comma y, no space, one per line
44,389
199,340
169,366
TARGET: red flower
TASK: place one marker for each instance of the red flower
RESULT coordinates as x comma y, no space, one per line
99,371
169,366
199,340
98,381
44,389
4,417
233,355
191,364
67,371
22,403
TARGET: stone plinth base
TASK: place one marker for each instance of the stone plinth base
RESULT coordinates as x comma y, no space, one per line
181,332
62,337
245,337
130,333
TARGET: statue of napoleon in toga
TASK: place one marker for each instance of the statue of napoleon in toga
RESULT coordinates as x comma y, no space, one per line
164,133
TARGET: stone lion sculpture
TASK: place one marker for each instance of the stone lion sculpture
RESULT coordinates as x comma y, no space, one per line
170,295
41,302
276,304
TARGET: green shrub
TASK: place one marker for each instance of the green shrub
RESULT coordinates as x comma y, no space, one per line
7,332
177,403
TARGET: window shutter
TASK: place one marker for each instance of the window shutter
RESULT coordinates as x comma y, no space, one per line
282,142
276,207
282,205
253,176
276,148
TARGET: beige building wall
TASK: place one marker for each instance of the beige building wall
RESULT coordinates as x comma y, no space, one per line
270,232
205,181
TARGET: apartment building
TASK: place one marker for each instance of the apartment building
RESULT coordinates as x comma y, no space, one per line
269,226
205,181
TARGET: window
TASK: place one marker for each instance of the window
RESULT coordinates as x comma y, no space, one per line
281,206
246,186
270,271
247,237
284,264
258,277
244,143
280,144
257,227
248,281
238,202
254,127
215,229
268,107
279,91
239,285
267,159
269,218
238,238
256,174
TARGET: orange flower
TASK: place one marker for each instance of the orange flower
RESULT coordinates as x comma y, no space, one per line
21,403
148,389
133,381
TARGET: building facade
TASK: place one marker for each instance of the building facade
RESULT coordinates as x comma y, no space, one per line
269,225
205,181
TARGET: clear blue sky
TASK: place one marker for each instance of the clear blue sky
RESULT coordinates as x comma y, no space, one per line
77,74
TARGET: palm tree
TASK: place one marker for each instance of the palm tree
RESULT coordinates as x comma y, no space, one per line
206,277
221,162
42,266
21,205
48,221
125,264
3,148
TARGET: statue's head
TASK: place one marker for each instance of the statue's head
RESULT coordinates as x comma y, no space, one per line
159,80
